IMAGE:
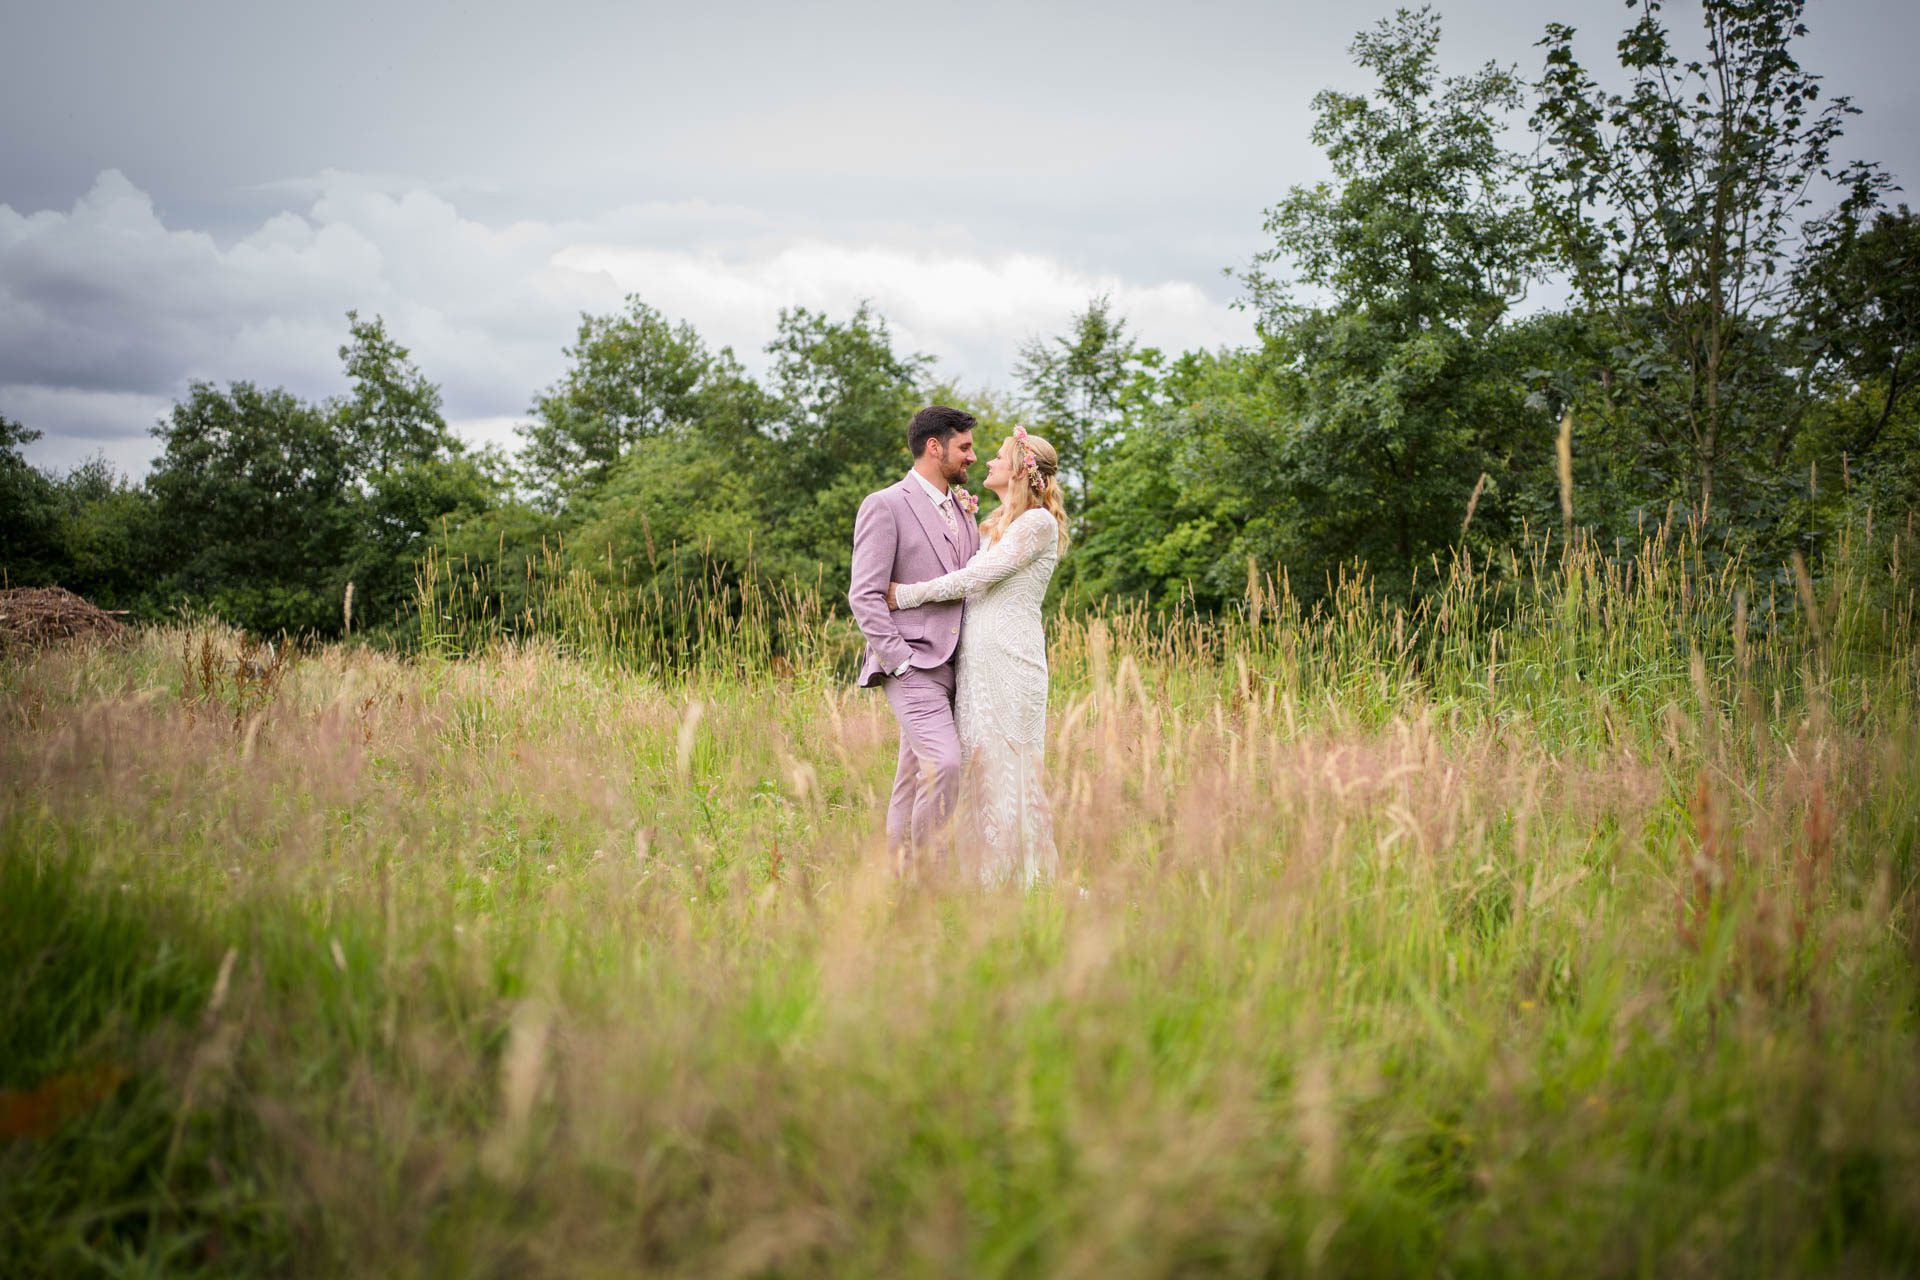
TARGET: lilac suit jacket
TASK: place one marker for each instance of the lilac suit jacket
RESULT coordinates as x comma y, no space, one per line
899,537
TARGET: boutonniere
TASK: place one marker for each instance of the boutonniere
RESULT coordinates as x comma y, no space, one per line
968,503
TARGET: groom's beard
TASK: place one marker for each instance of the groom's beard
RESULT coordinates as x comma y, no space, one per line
954,473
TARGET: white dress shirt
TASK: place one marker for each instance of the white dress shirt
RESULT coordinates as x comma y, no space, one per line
942,502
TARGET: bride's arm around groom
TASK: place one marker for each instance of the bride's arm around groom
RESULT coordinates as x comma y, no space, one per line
1027,540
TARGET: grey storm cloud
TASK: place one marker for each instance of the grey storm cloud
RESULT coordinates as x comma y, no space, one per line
203,190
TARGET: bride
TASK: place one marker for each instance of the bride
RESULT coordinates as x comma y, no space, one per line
1000,699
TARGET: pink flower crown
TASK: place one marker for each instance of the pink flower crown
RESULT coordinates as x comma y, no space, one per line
1029,461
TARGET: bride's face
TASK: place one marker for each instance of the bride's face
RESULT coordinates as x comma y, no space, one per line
1000,470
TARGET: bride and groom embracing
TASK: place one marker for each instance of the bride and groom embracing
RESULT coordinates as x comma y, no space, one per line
950,608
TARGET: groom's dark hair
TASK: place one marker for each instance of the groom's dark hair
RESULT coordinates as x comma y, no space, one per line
936,421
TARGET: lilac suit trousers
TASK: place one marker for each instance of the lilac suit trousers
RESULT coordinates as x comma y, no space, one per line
927,778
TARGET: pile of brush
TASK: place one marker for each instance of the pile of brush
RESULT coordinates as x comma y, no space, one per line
33,617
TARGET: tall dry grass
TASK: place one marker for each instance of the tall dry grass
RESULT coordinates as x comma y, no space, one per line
1562,923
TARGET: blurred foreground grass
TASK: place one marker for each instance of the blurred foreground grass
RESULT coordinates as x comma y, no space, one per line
1565,925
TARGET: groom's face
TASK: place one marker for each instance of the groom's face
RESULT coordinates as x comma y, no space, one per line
955,455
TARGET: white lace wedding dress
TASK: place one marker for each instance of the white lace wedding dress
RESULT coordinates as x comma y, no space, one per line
1000,700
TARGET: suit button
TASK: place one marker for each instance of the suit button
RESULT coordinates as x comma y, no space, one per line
953,631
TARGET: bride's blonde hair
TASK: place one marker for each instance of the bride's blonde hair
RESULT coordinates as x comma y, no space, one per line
1038,486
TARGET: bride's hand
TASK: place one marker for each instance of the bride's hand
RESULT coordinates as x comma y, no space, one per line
892,601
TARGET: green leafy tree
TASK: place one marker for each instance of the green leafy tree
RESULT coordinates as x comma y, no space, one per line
731,409
1858,308
266,506
397,518
252,496
107,534
1673,205
1856,318
90,531
845,400
409,473
678,510
1420,244
30,554
1076,386
392,414
634,375
1422,227
845,395
1181,496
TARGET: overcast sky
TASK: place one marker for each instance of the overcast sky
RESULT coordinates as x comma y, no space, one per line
202,189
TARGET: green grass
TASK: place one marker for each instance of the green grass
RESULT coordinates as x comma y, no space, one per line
1563,925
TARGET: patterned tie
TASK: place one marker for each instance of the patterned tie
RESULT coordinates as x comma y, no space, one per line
946,513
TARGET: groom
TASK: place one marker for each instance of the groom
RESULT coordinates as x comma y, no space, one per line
910,532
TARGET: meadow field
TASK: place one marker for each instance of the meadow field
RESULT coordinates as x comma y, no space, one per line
1565,925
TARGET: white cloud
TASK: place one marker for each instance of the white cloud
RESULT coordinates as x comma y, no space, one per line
106,312
503,431
970,311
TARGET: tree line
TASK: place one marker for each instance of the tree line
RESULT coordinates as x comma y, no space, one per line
1734,350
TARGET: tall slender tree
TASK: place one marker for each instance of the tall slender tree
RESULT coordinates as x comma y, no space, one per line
391,415
1076,386
1674,206
1417,247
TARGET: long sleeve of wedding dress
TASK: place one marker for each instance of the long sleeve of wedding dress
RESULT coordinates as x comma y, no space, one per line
1026,541
1000,700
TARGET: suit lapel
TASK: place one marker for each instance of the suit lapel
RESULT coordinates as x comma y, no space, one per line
932,525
